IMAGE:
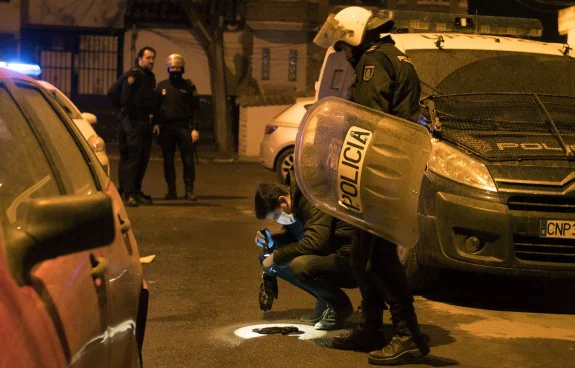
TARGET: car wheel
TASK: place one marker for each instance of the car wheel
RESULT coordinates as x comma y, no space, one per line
284,164
420,277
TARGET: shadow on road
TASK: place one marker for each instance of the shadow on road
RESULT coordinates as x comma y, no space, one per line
504,293
222,197
182,203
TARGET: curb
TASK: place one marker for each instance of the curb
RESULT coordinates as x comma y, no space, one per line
202,160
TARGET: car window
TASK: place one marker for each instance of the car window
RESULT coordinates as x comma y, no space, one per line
67,155
66,105
25,173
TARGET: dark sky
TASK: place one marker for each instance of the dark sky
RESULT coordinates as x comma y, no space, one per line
523,9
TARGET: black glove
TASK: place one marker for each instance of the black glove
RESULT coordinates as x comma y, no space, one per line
284,330
268,291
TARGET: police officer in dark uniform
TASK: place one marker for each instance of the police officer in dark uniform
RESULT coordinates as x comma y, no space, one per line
178,102
386,81
138,104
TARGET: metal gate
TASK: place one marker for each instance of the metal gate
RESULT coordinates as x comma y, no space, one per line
80,64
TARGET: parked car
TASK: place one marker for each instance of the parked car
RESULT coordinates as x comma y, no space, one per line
84,122
276,149
498,193
71,286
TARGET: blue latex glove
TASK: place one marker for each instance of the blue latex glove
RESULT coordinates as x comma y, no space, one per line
264,237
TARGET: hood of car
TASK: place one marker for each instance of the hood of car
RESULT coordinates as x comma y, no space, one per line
506,126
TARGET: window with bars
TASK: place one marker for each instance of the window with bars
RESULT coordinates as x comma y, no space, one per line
266,64
292,67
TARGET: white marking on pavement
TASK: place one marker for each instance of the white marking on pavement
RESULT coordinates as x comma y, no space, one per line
309,331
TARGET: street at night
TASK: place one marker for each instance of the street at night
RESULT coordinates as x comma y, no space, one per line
287,183
204,286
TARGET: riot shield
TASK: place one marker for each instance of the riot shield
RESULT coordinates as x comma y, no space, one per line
363,166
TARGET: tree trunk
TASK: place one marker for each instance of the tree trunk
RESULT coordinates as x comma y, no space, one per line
212,41
222,121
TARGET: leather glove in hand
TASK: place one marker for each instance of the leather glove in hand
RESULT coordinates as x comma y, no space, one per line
268,292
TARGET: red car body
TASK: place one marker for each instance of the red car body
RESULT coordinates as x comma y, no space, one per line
86,308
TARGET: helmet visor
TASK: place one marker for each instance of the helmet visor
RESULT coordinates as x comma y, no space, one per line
331,32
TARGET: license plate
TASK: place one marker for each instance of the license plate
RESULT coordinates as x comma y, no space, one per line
557,229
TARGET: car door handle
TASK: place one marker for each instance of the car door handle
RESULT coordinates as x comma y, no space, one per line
99,266
125,225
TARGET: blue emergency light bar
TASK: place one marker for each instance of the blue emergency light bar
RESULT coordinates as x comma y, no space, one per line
407,21
413,21
32,70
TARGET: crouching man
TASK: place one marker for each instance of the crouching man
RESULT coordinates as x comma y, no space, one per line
311,253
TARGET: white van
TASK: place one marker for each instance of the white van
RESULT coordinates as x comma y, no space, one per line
498,194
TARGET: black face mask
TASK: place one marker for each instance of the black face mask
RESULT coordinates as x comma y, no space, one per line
356,55
175,75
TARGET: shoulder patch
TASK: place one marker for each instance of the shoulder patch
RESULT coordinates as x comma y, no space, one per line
131,79
368,72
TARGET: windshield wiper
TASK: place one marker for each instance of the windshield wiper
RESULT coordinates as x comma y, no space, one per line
439,93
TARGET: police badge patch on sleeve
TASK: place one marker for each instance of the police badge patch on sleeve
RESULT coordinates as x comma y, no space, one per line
368,72
131,80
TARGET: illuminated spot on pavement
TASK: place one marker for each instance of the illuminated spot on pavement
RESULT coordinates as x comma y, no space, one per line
309,332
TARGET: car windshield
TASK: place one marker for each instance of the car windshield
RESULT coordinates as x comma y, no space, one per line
487,71
70,109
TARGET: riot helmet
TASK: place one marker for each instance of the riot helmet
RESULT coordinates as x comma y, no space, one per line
175,63
350,25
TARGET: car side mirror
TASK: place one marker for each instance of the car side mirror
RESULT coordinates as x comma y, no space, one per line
90,118
58,226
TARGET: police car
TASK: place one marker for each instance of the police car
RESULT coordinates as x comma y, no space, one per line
498,190
83,120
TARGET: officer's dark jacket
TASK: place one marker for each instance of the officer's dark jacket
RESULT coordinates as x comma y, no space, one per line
139,93
387,81
323,234
178,101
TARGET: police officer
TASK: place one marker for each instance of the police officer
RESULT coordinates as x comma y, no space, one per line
178,102
386,81
138,103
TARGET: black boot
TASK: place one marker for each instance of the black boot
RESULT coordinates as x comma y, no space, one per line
408,343
367,336
171,195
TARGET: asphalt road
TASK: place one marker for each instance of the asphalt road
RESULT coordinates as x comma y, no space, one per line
204,285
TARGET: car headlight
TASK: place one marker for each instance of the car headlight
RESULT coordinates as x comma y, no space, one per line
455,165
97,143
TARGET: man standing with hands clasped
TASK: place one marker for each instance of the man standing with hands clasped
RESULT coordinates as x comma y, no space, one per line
178,106
134,93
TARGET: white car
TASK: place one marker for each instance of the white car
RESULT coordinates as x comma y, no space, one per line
276,149
84,122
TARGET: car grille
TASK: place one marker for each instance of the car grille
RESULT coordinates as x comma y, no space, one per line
535,248
542,203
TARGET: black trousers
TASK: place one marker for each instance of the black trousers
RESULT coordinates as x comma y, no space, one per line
170,138
135,139
381,278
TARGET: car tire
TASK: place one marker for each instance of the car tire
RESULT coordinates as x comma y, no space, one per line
420,277
284,163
